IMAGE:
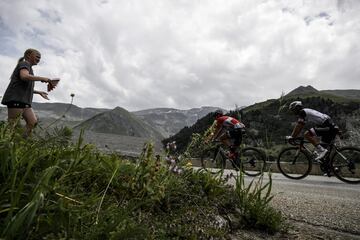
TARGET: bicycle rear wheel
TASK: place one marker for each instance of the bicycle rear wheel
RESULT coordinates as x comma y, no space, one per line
212,160
345,164
253,161
293,163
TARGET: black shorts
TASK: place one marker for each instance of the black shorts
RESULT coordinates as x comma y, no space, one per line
17,105
235,135
327,131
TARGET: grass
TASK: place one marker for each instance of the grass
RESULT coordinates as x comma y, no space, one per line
53,188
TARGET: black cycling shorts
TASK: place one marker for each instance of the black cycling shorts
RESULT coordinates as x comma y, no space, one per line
327,131
236,135
17,105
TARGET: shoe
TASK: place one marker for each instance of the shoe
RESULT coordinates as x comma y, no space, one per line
325,169
320,154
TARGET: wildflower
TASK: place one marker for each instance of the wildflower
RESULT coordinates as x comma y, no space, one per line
188,165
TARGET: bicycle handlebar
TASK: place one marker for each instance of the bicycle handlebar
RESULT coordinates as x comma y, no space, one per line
296,141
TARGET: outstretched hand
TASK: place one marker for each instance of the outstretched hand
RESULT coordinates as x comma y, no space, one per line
44,95
52,84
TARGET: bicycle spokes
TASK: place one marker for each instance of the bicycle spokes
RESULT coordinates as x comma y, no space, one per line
295,158
294,163
346,164
253,161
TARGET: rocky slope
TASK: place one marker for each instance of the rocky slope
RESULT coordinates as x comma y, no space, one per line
169,121
121,122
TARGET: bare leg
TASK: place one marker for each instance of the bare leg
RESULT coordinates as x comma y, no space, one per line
225,140
311,138
30,119
14,114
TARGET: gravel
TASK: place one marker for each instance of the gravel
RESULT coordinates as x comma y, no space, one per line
316,207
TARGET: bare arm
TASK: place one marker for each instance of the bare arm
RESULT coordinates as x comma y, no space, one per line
210,132
218,130
297,129
42,94
25,75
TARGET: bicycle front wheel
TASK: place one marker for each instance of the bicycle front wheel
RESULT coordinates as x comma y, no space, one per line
212,160
253,161
293,163
345,164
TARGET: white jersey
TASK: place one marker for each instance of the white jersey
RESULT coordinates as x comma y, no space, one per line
312,116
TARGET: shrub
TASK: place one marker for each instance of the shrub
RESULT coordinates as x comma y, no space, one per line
54,188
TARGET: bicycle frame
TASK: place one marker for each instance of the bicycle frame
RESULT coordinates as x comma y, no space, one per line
341,161
250,160
301,143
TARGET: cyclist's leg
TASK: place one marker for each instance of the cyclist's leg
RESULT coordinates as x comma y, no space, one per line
325,133
225,139
329,135
312,137
236,138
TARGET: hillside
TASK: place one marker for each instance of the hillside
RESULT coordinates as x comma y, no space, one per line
71,112
334,95
59,114
270,121
166,121
169,121
349,93
119,121
302,90
182,138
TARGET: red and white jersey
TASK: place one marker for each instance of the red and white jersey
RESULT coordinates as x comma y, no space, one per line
228,122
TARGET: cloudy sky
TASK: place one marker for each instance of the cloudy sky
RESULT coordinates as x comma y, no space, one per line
182,53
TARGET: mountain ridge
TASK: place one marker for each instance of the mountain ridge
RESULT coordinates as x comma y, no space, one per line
169,121
119,121
269,121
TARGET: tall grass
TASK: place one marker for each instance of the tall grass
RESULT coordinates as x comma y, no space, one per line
253,201
54,188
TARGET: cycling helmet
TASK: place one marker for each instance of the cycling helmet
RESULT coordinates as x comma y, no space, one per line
218,113
296,105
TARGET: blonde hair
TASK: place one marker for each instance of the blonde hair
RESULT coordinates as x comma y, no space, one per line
27,53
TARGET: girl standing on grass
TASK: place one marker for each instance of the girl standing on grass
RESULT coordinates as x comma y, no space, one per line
19,93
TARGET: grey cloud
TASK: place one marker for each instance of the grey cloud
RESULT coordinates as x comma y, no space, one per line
184,54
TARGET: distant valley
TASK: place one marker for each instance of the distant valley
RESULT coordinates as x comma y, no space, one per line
120,130
116,129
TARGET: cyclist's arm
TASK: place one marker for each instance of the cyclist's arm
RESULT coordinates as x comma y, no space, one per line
297,129
215,129
219,132
300,124
210,132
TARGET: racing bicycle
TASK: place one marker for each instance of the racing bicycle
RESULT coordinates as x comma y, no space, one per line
251,160
296,162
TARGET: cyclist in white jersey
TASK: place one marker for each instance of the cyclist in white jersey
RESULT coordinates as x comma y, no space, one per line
322,126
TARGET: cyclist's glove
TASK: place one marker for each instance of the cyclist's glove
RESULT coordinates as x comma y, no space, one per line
290,139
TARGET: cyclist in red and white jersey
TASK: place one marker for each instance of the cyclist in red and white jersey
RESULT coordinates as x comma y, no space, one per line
322,126
229,131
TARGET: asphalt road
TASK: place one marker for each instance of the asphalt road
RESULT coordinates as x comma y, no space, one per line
318,206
